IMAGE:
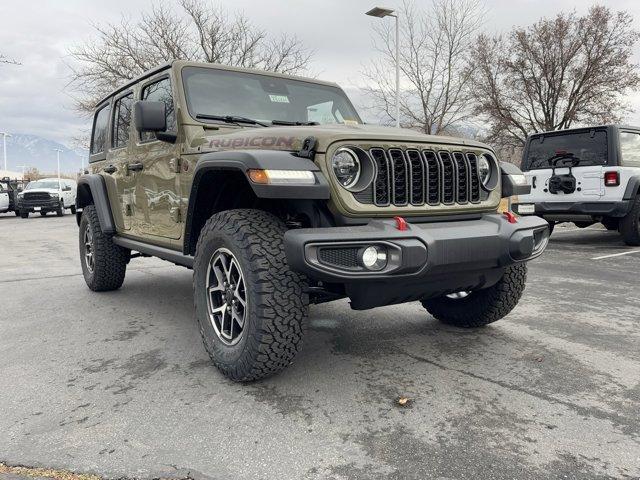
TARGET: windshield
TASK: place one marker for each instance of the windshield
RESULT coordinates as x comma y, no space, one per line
264,98
590,146
52,184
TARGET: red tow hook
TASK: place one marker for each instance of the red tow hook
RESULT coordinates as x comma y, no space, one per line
511,218
401,224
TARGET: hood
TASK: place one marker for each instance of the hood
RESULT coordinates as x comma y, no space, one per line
53,191
291,138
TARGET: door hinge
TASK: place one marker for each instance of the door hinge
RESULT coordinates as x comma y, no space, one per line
175,165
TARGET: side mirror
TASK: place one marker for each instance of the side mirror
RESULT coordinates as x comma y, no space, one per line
150,116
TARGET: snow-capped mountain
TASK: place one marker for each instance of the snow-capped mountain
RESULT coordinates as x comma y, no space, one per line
33,151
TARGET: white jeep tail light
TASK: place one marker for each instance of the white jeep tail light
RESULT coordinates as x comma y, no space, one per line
611,179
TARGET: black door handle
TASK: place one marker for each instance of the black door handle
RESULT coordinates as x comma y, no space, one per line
135,167
110,169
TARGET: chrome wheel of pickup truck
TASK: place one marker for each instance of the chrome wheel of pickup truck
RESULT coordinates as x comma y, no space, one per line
226,296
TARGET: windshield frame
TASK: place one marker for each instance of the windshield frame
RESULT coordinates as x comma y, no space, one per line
288,78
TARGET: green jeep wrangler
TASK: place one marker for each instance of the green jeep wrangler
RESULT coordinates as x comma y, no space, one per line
277,195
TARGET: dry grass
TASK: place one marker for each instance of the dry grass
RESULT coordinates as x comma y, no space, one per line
45,473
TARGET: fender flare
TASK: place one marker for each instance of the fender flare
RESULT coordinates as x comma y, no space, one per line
93,190
633,188
244,160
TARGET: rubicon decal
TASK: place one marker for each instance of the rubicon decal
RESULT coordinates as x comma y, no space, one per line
264,142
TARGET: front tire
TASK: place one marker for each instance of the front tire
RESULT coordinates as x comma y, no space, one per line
611,223
24,213
43,213
104,263
263,330
60,210
481,307
630,225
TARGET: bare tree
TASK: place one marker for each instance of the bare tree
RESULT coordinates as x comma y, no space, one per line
195,30
555,74
434,48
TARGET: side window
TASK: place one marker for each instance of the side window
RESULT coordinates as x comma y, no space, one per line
100,128
160,91
630,148
121,121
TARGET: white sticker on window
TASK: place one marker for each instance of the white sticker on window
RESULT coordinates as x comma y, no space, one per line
279,98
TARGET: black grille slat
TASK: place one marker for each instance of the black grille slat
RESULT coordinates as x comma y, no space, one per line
447,178
474,179
433,177
418,177
462,170
382,186
400,177
37,196
422,177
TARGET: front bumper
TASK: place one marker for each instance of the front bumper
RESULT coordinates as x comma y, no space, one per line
426,260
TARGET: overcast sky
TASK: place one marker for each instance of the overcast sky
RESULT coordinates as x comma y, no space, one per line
34,98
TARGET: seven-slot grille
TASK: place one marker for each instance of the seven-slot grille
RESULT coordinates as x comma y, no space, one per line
419,177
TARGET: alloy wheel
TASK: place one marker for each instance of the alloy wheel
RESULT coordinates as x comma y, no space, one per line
226,296
89,258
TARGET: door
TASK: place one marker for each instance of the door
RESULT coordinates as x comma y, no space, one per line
158,208
119,155
4,199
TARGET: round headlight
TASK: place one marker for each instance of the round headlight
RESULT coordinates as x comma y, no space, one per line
346,167
484,169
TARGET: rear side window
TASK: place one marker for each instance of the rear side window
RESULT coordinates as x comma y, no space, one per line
121,121
100,129
160,91
589,146
630,149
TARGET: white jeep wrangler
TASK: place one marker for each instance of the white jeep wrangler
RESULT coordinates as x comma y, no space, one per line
585,176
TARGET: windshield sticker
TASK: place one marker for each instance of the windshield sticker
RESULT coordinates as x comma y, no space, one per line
278,98
350,122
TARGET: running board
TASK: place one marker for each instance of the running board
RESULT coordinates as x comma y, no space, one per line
167,254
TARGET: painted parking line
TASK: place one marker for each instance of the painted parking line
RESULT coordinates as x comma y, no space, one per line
617,254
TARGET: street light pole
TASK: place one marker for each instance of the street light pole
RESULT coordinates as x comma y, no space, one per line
57,150
4,145
382,12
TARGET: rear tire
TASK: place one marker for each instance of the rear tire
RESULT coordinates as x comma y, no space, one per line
481,307
73,209
43,213
24,214
104,263
17,213
611,223
552,225
630,224
275,301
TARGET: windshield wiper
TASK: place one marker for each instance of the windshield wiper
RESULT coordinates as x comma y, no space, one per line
297,124
230,119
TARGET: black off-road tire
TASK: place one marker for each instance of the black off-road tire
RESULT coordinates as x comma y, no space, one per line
276,296
110,260
43,213
481,307
17,212
24,214
611,223
73,209
630,224
60,210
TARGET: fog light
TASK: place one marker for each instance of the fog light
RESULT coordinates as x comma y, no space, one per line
374,258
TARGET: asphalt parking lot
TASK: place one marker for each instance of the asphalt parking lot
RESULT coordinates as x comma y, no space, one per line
118,384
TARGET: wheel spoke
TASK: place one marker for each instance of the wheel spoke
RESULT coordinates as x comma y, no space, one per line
237,317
